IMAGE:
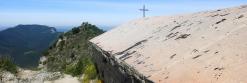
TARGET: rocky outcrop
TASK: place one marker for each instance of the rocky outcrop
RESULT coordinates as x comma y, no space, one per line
112,70
29,76
204,47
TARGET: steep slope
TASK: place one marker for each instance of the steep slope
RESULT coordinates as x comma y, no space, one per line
70,54
204,47
25,43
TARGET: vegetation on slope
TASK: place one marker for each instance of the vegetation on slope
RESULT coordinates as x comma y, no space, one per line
70,54
25,43
6,64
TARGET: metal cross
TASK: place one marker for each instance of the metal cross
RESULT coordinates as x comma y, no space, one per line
144,11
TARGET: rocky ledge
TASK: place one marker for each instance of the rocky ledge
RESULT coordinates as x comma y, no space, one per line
30,76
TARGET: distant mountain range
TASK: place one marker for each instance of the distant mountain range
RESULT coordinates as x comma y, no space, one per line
2,28
25,43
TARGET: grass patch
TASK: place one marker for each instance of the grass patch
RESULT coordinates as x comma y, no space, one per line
83,66
6,64
86,67
90,73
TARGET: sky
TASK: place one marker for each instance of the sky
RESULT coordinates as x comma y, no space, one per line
103,13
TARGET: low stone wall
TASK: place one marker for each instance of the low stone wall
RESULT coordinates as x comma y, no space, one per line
112,70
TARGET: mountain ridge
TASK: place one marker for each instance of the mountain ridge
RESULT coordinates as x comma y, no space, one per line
26,42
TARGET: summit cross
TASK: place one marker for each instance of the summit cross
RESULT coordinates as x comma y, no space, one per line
144,11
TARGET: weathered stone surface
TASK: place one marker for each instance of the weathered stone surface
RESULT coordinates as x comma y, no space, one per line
204,47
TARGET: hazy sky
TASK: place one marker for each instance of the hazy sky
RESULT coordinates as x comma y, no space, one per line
99,12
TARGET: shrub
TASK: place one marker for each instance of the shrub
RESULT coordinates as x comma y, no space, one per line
51,58
76,43
78,68
75,30
84,66
6,64
62,44
90,71
45,53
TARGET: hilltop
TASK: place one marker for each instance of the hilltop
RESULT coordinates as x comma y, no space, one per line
71,53
203,47
66,60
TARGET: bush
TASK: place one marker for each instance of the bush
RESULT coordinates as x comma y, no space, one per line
45,53
62,44
6,64
90,72
78,68
75,30
84,66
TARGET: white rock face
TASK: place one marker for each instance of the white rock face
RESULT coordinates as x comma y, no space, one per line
29,76
7,77
204,47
